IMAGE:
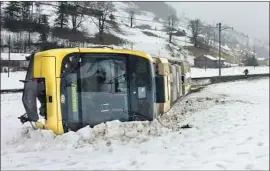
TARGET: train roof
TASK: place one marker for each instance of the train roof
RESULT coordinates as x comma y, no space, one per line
171,59
106,49
95,49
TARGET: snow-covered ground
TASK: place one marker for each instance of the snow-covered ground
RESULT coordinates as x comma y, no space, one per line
230,130
14,56
210,72
13,80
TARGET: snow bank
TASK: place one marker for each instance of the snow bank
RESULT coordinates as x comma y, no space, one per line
104,134
28,139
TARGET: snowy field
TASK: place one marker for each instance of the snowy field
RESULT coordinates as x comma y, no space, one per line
210,72
14,56
230,130
13,81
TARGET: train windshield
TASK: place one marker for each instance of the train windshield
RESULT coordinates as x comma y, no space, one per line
105,87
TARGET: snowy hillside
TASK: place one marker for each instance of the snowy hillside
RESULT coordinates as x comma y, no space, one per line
152,40
230,130
137,38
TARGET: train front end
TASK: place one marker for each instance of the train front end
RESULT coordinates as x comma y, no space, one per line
80,87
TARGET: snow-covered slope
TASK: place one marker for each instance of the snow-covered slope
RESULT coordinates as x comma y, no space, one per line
138,40
136,37
230,130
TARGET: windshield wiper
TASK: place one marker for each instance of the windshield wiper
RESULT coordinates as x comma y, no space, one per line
116,78
135,116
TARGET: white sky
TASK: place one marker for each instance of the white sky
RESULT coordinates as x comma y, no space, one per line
251,18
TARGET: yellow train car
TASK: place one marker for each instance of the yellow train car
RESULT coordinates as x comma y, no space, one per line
77,87
177,80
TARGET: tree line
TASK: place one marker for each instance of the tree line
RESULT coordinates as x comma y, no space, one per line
20,18
197,28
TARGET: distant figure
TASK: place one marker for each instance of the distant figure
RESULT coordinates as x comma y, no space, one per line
246,72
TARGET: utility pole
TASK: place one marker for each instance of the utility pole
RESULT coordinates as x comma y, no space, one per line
131,18
214,40
185,40
205,63
219,49
8,54
254,56
219,46
214,34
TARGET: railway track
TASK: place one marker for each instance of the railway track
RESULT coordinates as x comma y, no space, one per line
197,83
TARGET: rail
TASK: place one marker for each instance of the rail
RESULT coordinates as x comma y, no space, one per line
227,78
195,81
4,91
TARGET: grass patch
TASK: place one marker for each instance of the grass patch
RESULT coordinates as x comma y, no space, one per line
149,34
115,26
68,34
108,39
144,27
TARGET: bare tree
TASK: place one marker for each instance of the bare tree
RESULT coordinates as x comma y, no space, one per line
207,31
62,17
39,11
196,28
77,15
106,8
171,25
131,18
27,18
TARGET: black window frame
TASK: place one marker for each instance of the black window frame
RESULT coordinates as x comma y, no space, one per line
127,58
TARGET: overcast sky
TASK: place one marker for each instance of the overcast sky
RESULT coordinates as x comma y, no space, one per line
251,18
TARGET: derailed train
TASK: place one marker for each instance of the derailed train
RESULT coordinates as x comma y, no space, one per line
87,86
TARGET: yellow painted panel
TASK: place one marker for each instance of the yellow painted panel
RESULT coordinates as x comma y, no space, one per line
163,69
48,72
61,53
60,129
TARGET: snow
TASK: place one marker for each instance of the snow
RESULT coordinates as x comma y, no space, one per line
226,48
14,56
213,58
261,59
210,72
230,130
139,41
12,82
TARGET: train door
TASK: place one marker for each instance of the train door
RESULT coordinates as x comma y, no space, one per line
141,89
